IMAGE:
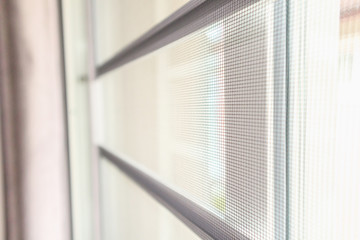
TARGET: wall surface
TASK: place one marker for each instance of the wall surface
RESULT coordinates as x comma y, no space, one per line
33,121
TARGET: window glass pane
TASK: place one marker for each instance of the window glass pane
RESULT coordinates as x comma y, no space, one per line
119,22
199,113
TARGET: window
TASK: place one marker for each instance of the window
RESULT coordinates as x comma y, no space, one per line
241,118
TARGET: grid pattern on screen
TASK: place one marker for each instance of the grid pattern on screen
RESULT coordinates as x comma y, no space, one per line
206,115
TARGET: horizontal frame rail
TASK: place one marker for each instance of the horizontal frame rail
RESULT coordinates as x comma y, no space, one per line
191,213
192,16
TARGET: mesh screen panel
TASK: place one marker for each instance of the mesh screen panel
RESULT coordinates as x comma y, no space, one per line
254,116
199,113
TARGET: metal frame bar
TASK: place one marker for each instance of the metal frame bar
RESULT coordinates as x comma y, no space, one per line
66,105
97,231
287,121
280,118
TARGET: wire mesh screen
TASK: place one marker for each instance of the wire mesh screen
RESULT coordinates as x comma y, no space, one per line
254,116
201,115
